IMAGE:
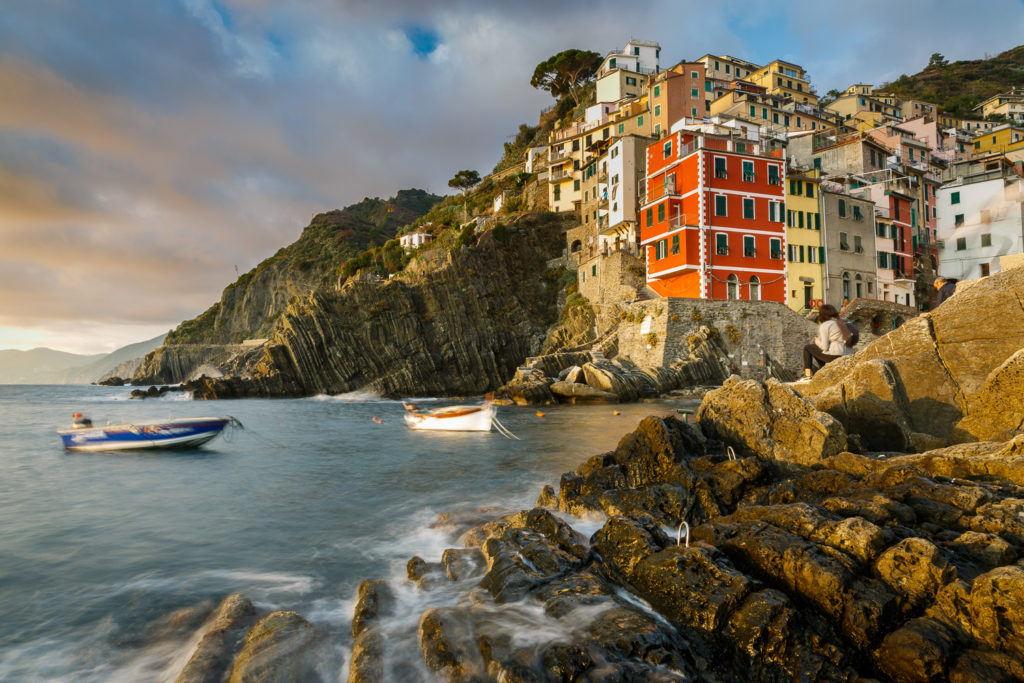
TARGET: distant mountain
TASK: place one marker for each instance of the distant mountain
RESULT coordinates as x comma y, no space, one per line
958,87
46,366
120,363
250,306
39,366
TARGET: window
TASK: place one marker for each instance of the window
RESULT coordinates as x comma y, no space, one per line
844,244
842,208
707,86
846,286
748,208
775,117
773,175
720,171
732,287
657,110
721,243
795,187
792,253
593,270
799,219
675,244
748,171
661,212
611,63
693,112
801,253
986,239
726,67
880,229
630,80
954,198
622,128
694,93
557,192
720,205
812,255
639,121
789,219
857,215
667,149
883,259
764,113
748,246
753,111
771,211
775,247
858,246
809,190
755,288
961,243
660,249
858,283
650,217
958,219
657,91
984,270
694,74
817,221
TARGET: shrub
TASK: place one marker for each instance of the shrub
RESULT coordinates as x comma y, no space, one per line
652,339
696,315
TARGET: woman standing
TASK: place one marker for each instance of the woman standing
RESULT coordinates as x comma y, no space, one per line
828,345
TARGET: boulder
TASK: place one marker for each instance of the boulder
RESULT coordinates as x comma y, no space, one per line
212,657
996,411
623,380
582,393
997,609
277,649
915,569
530,386
769,420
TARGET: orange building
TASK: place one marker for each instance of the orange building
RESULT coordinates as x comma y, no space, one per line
713,221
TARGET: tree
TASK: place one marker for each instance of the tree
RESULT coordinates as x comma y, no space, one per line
564,73
937,60
464,180
830,97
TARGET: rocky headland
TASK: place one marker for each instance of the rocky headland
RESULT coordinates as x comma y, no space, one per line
870,530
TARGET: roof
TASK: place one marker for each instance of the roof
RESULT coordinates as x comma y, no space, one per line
643,43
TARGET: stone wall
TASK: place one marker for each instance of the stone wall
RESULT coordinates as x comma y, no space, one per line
755,333
612,279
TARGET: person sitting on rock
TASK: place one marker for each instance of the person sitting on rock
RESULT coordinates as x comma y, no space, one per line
828,345
946,287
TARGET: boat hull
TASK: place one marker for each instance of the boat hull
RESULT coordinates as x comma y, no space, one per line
469,419
185,433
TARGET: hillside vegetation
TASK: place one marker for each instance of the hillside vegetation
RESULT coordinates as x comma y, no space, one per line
250,305
958,87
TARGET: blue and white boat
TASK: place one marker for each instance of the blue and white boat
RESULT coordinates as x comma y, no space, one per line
188,432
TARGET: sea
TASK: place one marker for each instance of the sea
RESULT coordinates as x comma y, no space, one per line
109,562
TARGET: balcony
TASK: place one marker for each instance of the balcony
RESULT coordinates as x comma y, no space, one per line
557,176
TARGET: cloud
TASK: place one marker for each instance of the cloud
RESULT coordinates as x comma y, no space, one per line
147,149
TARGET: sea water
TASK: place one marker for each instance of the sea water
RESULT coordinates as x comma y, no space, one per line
108,562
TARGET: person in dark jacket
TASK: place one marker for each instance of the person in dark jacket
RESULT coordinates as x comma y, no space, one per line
946,287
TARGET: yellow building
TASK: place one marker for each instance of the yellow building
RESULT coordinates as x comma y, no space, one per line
806,251
786,80
999,140
1008,104
863,111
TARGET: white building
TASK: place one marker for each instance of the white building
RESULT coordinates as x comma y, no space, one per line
415,239
625,73
979,221
620,178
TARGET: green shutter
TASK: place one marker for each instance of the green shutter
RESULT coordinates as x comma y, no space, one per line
821,254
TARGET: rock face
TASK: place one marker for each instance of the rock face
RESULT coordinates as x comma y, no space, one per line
801,560
215,652
953,375
276,649
461,329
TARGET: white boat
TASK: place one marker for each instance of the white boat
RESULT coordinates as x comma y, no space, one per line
452,418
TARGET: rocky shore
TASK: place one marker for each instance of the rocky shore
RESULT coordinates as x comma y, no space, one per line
872,529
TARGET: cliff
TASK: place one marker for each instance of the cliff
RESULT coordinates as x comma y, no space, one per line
459,328
249,307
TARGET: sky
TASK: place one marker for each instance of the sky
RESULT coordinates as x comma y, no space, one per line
151,151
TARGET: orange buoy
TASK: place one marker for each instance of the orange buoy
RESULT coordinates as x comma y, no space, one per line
540,414
615,413
378,420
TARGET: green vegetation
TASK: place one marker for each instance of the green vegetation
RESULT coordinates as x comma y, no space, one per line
563,74
958,87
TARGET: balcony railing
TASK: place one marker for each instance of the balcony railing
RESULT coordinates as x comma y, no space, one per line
749,177
721,173
750,253
774,180
722,251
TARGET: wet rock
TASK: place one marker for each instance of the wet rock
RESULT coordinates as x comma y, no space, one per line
368,652
625,381
989,549
463,563
213,655
424,574
530,386
548,498
375,599
447,640
276,649
768,420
